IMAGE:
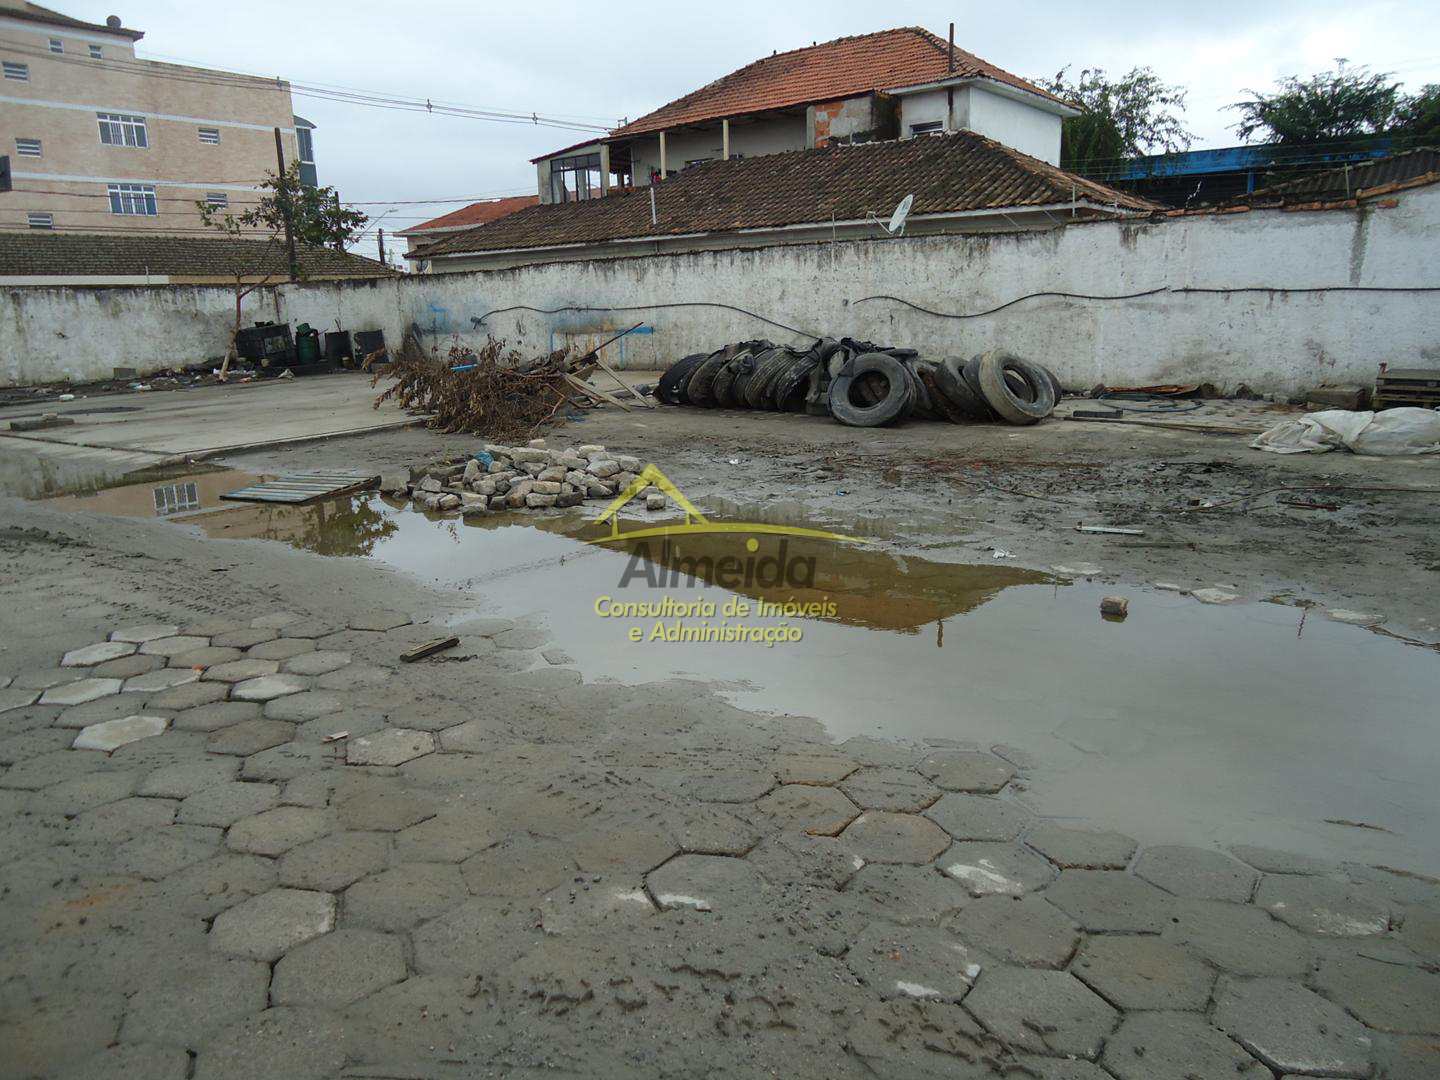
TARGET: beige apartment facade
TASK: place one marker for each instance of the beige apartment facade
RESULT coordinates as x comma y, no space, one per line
100,141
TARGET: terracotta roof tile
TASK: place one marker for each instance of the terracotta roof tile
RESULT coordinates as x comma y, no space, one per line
846,67
47,253
945,173
477,213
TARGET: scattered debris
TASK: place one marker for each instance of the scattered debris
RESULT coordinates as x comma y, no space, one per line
422,651
1107,530
336,736
40,423
1418,387
1115,607
1357,824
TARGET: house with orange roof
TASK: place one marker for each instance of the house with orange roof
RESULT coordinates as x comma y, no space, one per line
893,84
462,220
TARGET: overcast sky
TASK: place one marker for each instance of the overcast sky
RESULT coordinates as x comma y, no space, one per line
604,61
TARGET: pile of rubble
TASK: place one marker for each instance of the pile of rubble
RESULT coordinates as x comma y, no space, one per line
863,384
500,478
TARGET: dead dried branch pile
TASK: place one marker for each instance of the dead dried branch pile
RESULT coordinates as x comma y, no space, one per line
495,391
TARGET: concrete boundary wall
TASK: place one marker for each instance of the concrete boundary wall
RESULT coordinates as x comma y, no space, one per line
1276,341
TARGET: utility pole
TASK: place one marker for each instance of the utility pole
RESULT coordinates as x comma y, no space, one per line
285,208
381,234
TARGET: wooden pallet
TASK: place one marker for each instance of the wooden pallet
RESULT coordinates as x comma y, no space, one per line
304,487
1419,387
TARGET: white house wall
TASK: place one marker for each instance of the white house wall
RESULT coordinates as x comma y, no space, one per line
1276,341
774,136
1028,129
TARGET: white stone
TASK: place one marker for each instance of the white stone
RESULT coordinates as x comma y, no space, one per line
1355,618
1170,586
80,691
268,687
602,469
163,679
113,734
96,654
145,632
1214,596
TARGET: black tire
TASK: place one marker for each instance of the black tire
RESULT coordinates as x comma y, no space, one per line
741,385
1054,382
972,406
725,380
928,376
757,390
995,368
788,394
668,389
700,390
925,406
894,406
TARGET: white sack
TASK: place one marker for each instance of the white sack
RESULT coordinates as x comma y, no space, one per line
1391,433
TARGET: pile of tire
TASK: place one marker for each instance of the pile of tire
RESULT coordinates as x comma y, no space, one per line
862,384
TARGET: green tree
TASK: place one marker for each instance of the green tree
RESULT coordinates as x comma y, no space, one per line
314,215
1349,104
1417,120
1135,114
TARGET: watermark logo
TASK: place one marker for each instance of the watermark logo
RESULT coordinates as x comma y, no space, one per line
775,584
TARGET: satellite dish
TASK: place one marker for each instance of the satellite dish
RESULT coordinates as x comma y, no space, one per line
897,219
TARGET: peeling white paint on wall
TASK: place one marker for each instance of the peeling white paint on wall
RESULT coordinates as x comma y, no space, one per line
1276,341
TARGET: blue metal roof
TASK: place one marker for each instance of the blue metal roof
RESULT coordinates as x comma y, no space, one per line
1236,159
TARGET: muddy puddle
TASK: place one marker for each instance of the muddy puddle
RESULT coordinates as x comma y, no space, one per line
1183,723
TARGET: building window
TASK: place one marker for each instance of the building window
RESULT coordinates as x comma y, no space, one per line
210,136
174,498
132,200
37,219
932,127
119,130
306,143
97,53
18,72
27,147
575,179
56,45
217,200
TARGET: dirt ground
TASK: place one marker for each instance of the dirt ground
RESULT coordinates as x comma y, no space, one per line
538,873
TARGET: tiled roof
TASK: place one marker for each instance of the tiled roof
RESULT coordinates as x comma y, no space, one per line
846,67
477,213
945,173
1411,167
46,253
36,13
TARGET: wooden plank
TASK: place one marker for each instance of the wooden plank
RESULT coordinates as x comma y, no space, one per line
598,394
429,648
1172,425
623,384
296,488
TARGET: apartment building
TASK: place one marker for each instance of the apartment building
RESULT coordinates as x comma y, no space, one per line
101,141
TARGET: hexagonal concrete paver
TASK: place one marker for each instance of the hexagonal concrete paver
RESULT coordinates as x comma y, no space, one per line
244,637
97,653
183,779
384,806
144,632
320,662
13,698
1293,1029
216,715
404,896
113,734
126,667
519,866
996,869
634,847
966,770
482,934
225,804
205,657
1237,938
1143,972
906,895
1325,906
267,926
281,648
188,696
337,969
978,817
1176,1046
310,1042
306,706
1386,996
1110,901
333,862
163,679
895,838
238,671
915,962
887,788
1021,930
268,687
393,746
705,883
1271,861
274,832
1196,873
249,737
173,646
195,998
1044,1012
109,707
379,620
1082,849
813,768
820,811
80,691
